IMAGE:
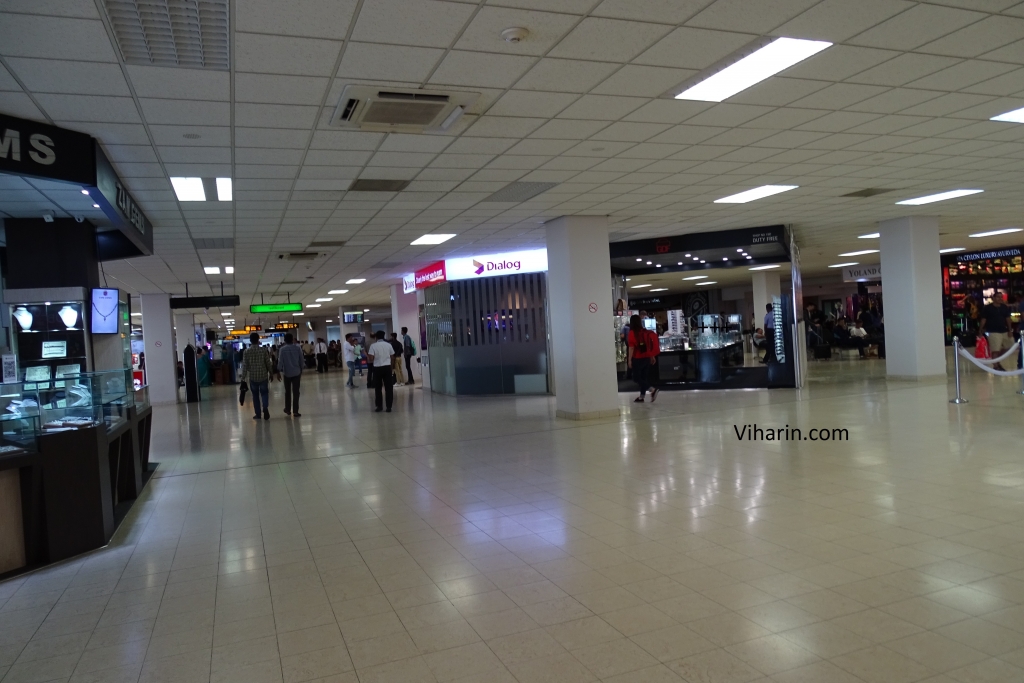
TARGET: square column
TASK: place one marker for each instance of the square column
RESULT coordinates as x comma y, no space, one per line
580,311
158,338
766,285
184,332
912,291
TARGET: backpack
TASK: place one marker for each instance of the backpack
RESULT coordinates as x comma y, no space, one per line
410,346
646,339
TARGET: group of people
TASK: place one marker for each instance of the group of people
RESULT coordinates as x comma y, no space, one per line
384,358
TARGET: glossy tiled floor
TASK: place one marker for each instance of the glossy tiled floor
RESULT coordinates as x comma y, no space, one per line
483,540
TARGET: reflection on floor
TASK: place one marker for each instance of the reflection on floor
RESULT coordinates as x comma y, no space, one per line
484,540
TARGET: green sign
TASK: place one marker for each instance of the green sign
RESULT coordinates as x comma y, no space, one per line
275,308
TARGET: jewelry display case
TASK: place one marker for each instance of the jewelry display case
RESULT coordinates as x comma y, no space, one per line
49,339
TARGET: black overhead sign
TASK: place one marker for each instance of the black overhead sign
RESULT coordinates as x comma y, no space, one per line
37,150
722,239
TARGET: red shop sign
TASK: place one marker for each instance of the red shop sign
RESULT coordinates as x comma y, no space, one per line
431,275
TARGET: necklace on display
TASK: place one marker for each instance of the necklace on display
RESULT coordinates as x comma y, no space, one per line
100,313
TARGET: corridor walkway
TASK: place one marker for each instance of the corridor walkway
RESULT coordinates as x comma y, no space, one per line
484,540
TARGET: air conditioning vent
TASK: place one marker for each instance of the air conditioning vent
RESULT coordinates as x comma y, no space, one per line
301,256
407,111
378,185
327,245
186,33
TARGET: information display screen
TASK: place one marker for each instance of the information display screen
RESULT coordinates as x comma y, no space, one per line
104,311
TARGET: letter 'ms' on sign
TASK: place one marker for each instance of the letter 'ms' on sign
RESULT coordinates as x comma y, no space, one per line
38,150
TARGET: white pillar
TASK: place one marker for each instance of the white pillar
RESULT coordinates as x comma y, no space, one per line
582,335
912,287
158,338
766,286
184,333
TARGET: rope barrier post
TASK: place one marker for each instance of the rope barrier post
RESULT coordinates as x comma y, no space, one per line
956,368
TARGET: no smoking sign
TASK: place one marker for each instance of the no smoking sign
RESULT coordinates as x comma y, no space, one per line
592,307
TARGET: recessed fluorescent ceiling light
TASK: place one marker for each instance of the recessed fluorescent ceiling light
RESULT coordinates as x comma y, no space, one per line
660,289
313,305
1015,116
700,284
431,239
189,189
212,270
224,189
230,270
774,57
227,315
763,268
869,236
860,253
298,314
135,314
992,233
942,196
338,291
325,298
843,265
756,193
696,277
354,281
950,250
366,310
639,286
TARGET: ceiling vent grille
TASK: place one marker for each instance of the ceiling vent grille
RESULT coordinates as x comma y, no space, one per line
214,243
327,244
378,185
186,33
301,256
870,192
519,192
400,110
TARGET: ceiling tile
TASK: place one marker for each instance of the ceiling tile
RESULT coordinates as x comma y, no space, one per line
609,40
840,62
976,39
283,55
308,18
643,81
565,75
425,23
28,35
478,68
89,108
274,115
265,88
947,104
778,91
183,112
19,104
484,32
692,48
894,100
602,107
838,20
917,26
903,69
742,15
79,78
1011,83
388,62
531,103
271,138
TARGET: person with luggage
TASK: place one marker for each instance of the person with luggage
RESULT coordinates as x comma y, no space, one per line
258,366
642,352
408,350
380,354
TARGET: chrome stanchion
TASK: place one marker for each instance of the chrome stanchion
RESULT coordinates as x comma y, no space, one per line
956,368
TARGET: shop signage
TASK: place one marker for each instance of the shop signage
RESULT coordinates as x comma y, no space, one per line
38,150
120,207
409,283
490,265
698,241
862,273
431,275
275,308
982,255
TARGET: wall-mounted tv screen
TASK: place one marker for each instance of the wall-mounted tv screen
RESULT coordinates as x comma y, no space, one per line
104,311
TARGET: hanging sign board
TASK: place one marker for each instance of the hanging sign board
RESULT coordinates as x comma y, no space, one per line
491,265
862,273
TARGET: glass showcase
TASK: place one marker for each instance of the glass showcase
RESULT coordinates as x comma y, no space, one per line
49,339
74,401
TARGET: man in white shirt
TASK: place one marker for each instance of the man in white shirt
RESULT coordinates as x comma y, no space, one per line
348,355
380,353
320,351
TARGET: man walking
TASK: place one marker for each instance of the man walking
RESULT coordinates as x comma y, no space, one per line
348,354
320,351
258,365
290,363
396,361
995,321
408,350
380,353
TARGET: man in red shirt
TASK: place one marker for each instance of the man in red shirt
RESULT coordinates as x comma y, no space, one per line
642,353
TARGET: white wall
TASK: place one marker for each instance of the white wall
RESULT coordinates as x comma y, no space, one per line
158,337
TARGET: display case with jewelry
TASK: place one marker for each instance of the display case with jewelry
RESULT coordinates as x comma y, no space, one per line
20,426
49,337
